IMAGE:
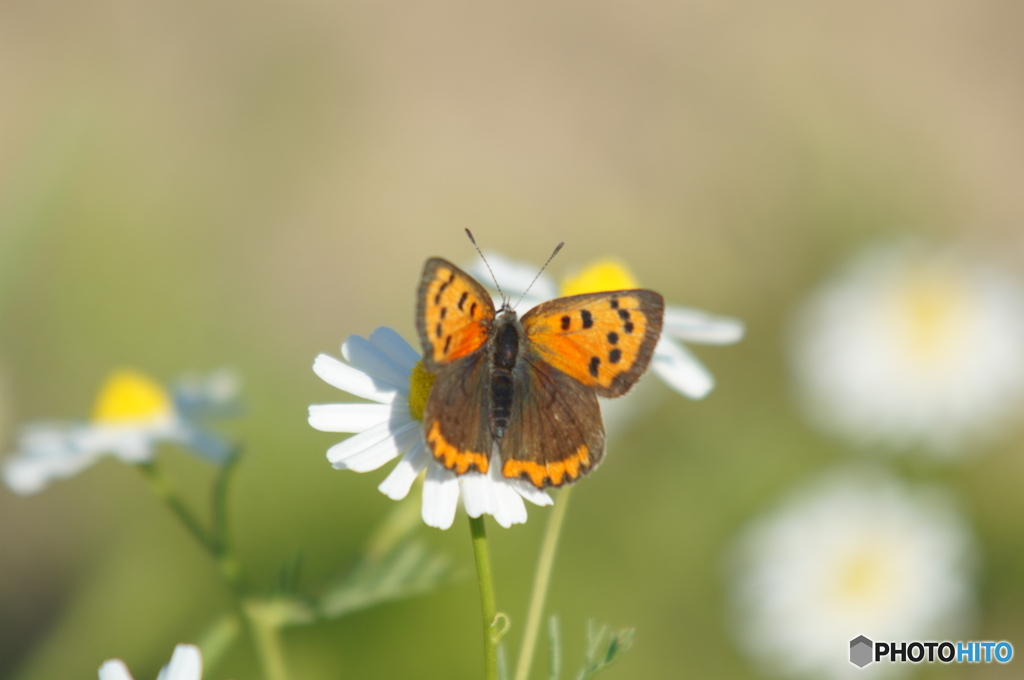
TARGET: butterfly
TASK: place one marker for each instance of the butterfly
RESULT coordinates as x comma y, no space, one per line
526,389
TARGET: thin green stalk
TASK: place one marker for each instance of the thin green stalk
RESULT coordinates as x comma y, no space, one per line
264,619
541,578
490,617
265,622
219,638
225,558
166,492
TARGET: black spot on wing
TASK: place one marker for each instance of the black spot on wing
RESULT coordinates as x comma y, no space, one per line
438,329
444,311
447,343
566,322
588,318
613,337
615,303
462,299
614,356
595,364
437,298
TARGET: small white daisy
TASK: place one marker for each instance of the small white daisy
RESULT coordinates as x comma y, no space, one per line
186,664
672,361
132,415
854,554
385,369
912,346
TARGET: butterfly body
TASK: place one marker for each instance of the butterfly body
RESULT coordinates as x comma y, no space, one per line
505,354
523,392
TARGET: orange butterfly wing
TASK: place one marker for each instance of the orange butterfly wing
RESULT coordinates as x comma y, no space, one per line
602,340
453,314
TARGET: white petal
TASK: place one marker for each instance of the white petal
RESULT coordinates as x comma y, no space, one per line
509,506
477,494
397,484
197,392
359,352
131,446
491,494
186,664
114,669
378,441
347,417
394,345
371,458
682,371
351,380
440,497
530,492
695,325
205,445
513,277
359,442
30,472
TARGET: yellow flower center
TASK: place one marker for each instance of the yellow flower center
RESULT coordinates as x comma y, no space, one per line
420,382
935,309
599,277
859,576
128,397
863,581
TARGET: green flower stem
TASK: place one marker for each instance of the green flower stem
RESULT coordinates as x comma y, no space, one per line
225,558
165,491
541,578
219,638
266,619
483,572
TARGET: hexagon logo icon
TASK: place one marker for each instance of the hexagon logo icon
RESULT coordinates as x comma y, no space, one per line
860,651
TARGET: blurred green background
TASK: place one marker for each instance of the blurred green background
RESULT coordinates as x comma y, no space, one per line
193,185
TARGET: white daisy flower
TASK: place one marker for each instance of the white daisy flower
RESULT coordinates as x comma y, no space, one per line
854,554
385,369
910,346
186,664
132,415
672,361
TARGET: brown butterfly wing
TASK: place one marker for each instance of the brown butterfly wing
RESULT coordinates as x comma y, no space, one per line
555,433
453,314
456,420
602,340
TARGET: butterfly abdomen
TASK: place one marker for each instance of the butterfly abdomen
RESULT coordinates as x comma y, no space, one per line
506,353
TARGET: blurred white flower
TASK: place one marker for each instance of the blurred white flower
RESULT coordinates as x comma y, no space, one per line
854,554
186,664
672,361
907,346
131,416
384,368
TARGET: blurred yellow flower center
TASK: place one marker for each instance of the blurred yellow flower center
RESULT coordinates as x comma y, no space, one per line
935,309
420,382
127,397
862,580
601,276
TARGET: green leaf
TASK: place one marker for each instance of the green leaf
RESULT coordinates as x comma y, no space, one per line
394,566
603,648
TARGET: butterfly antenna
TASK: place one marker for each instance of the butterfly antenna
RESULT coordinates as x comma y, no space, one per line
551,257
504,300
